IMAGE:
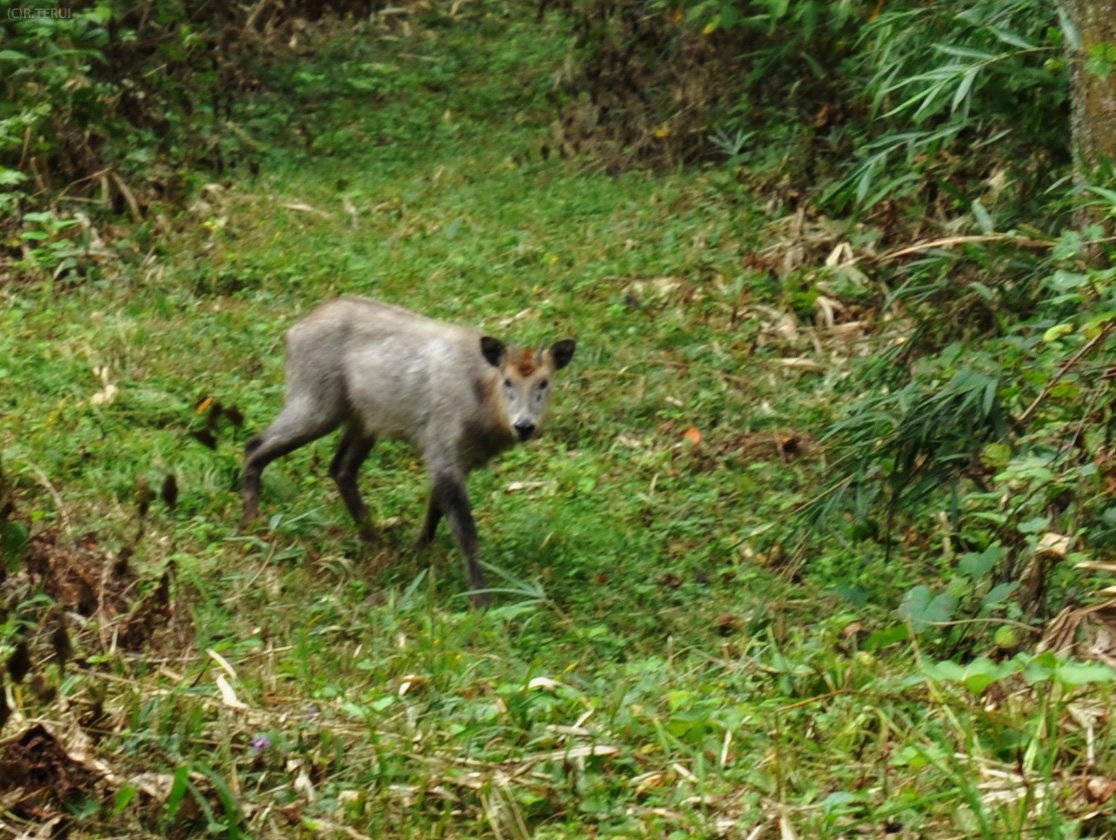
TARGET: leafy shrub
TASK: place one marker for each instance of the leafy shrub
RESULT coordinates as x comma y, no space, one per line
1003,437
960,92
662,83
46,68
856,102
119,100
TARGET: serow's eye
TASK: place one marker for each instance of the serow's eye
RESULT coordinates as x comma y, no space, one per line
543,385
507,383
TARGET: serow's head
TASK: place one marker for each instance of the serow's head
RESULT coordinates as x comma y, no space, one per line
527,380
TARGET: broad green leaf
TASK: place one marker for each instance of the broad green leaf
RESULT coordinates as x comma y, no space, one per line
1098,63
228,799
836,801
982,672
996,455
998,594
990,391
983,219
123,797
990,516
1069,245
978,565
976,676
946,670
1103,192
1064,281
1006,636
1040,668
10,177
1082,673
1069,28
13,538
1012,38
959,96
1095,324
984,291
965,52
1056,332
888,636
976,683
1065,390
958,587
453,229
917,597
177,792
913,757
922,608
680,699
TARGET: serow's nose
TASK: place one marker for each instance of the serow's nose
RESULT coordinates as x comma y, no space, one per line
524,429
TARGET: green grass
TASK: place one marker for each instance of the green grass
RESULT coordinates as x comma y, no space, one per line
649,669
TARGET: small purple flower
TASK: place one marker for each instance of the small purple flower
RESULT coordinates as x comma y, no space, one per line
260,743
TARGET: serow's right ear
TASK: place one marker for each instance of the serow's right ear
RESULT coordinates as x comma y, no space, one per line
493,350
562,351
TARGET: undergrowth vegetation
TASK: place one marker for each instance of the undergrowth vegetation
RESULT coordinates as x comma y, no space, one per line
814,540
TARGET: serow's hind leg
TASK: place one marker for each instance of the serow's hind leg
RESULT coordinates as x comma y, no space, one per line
296,426
346,463
433,517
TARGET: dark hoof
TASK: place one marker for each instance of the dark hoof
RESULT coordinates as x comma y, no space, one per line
481,600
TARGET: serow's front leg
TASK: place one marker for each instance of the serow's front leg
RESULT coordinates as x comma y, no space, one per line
451,499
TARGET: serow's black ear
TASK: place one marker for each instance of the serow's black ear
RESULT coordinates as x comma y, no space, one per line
493,350
562,351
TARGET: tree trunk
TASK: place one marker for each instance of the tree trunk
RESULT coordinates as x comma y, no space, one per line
1092,89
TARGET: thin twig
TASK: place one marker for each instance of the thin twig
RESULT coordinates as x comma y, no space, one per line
129,197
962,240
1077,357
1026,241
54,494
989,620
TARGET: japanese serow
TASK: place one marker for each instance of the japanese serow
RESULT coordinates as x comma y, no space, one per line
459,395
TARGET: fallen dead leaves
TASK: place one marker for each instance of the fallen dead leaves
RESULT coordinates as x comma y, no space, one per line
100,608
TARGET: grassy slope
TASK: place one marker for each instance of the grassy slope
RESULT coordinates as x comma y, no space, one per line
644,674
